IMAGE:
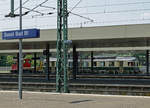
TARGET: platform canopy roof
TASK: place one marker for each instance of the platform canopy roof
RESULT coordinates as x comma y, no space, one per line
101,38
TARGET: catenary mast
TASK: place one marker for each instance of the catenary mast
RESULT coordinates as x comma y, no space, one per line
62,37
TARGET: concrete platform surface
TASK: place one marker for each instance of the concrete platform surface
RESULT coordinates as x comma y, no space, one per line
9,99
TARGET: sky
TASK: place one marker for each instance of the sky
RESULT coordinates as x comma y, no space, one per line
102,12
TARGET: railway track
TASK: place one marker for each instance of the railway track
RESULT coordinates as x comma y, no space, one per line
114,89
116,85
9,75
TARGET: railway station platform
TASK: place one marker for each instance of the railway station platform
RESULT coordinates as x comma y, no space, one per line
53,100
92,41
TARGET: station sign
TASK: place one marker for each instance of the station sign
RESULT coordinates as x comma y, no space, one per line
21,34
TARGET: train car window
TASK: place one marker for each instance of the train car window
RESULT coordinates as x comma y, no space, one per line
111,63
53,63
121,63
70,64
102,64
131,64
86,64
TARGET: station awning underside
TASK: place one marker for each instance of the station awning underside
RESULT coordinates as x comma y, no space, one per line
103,38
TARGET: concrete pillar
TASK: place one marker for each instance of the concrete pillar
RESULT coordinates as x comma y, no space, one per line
17,62
47,62
147,62
35,57
92,61
75,62
77,66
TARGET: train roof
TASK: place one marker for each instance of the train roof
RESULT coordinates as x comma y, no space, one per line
101,59
113,59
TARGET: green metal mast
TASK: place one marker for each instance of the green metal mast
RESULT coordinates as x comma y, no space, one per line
12,8
62,52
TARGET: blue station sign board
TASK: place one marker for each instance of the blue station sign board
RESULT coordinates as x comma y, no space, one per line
21,34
